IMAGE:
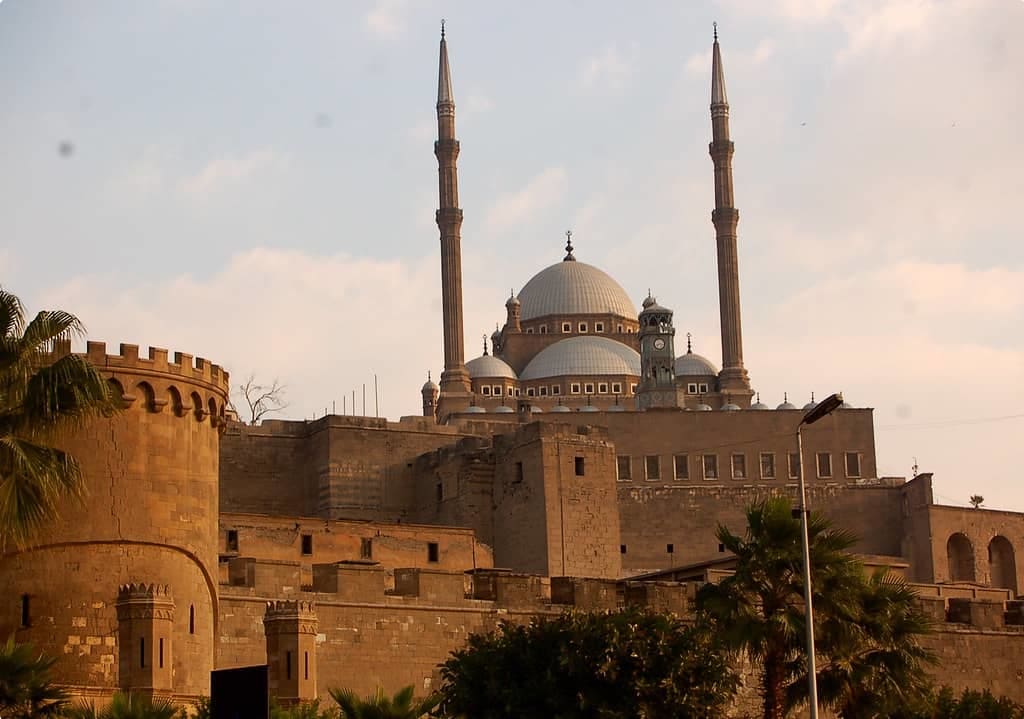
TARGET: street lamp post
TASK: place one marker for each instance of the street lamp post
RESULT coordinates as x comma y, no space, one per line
824,408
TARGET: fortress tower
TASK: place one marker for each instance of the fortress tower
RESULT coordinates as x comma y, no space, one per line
84,588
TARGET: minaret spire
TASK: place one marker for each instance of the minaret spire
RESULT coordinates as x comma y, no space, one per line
733,380
455,384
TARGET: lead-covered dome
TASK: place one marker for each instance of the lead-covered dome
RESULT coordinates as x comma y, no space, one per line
574,288
577,356
694,365
489,366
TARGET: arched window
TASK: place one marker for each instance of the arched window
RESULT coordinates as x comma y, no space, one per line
960,554
145,392
174,399
1002,564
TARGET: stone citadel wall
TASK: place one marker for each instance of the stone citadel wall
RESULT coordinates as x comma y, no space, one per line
368,636
149,515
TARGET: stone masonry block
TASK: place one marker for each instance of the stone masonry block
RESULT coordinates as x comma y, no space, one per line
979,614
934,608
588,594
671,597
1015,612
430,585
350,582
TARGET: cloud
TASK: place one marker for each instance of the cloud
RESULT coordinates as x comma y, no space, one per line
224,172
387,18
309,320
543,190
478,103
606,70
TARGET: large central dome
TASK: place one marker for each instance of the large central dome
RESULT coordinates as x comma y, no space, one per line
574,288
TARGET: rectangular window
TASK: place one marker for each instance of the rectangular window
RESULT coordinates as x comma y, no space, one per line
652,467
583,327
739,466
624,468
794,465
574,388
529,330
691,388
853,464
616,387
709,464
622,550
307,544
485,390
567,327
509,391
702,388
599,327
439,491
556,389
824,465
519,472
366,548
620,329
496,390
543,329
433,552
602,388
579,462
670,548
588,388
767,465
632,388
530,391
26,613
232,540
544,391
682,466
517,391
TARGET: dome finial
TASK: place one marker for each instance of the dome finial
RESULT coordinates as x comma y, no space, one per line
812,396
568,247
689,343
442,30
485,344
714,25
785,396
759,398
428,376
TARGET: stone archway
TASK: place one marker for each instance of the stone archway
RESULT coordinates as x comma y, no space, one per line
960,553
1002,563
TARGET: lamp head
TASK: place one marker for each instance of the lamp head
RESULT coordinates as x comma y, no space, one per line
825,407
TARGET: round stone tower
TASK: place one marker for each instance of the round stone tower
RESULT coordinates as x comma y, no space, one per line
148,518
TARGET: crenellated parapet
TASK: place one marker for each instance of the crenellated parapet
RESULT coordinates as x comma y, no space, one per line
180,384
290,616
144,601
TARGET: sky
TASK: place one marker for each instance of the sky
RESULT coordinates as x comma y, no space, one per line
254,182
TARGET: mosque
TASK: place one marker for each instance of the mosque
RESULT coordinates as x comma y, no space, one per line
583,460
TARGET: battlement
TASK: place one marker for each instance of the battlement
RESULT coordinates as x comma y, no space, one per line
290,607
183,365
143,591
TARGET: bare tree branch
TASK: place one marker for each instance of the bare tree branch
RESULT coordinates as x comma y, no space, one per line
262,399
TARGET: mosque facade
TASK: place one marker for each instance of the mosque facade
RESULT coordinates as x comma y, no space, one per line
585,459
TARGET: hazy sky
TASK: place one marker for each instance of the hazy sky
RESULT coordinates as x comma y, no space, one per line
254,182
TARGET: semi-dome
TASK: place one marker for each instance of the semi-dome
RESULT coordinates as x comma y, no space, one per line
694,365
489,366
574,288
589,355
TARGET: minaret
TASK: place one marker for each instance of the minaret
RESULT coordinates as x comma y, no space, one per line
455,385
733,380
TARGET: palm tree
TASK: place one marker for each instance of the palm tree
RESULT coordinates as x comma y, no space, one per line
759,609
126,706
39,397
876,663
25,688
380,706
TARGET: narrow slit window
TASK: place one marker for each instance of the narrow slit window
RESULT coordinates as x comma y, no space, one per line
307,544
161,653
433,552
142,652
26,611
288,665
305,659
670,548
192,619
580,462
624,468
366,548
232,540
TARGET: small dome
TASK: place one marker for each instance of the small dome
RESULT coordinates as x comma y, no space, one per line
429,386
587,355
810,405
474,409
703,407
512,301
786,405
574,288
503,409
535,409
730,407
759,404
489,366
589,408
694,365
559,408
616,408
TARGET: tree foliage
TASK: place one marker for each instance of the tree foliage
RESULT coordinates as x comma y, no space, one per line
632,664
403,705
26,689
126,706
39,398
946,704
867,629
305,710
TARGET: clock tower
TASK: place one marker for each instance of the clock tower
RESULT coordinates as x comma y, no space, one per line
657,388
